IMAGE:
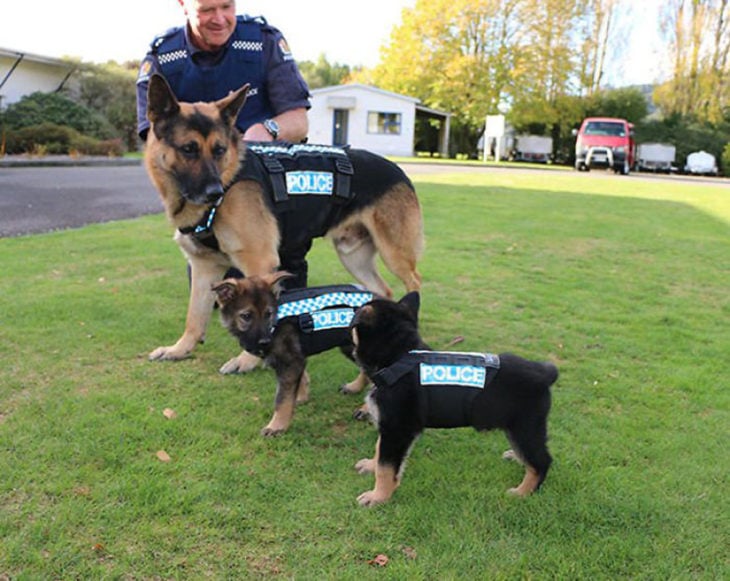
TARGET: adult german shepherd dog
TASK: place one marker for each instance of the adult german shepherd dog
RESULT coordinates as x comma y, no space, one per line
196,159
417,388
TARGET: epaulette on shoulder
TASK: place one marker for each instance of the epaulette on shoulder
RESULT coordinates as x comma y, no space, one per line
248,18
160,38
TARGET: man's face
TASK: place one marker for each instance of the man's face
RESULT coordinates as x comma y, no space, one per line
211,21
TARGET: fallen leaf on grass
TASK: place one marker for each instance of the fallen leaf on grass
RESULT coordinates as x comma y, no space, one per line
163,456
409,552
379,560
170,414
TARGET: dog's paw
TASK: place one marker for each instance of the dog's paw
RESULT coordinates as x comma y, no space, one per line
169,353
272,431
371,498
361,413
518,491
510,455
243,363
365,466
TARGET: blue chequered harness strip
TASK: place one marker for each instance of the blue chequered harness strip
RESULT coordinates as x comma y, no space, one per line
313,304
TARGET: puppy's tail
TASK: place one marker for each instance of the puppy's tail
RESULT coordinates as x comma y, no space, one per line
550,373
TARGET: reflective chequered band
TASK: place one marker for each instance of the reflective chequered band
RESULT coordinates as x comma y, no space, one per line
322,302
248,45
265,149
170,57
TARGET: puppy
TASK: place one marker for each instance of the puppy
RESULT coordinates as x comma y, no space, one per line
285,327
416,388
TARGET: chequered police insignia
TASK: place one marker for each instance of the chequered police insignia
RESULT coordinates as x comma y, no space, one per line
293,150
250,45
172,56
321,302
310,182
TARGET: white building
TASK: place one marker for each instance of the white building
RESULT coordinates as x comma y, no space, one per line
369,118
23,73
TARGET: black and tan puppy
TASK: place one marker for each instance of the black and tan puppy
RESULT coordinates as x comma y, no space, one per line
249,206
285,327
416,388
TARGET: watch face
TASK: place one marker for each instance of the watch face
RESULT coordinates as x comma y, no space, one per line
272,127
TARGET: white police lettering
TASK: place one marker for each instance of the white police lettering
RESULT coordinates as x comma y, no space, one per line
310,182
332,319
463,375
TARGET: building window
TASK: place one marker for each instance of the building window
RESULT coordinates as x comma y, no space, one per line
384,123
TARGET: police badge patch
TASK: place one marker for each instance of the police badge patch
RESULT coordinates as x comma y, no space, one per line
285,50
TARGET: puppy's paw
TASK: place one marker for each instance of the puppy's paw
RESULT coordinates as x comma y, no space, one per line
371,498
365,466
243,363
169,353
518,491
361,413
510,455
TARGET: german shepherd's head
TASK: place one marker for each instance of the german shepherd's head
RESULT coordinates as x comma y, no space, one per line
249,307
192,148
384,330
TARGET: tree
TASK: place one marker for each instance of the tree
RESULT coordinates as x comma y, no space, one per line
322,73
697,35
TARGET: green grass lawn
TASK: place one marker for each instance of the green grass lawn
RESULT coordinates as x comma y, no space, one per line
623,282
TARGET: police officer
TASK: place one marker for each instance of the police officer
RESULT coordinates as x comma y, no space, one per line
217,52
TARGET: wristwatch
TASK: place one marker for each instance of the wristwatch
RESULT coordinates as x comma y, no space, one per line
272,127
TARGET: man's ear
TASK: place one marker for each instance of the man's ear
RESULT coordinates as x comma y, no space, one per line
225,290
161,101
412,301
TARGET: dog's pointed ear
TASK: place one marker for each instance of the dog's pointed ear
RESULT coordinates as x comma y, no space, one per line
230,105
412,301
161,101
275,278
225,290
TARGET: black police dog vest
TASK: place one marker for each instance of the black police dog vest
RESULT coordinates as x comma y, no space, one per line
322,314
448,383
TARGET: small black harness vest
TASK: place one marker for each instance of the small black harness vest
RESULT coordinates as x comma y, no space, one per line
449,382
306,188
323,314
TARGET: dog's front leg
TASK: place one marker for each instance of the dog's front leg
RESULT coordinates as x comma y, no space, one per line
288,382
202,275
386,478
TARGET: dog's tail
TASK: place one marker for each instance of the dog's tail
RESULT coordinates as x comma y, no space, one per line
527,376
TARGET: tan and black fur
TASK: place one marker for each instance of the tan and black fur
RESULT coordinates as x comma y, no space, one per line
193,154
516,400
249,313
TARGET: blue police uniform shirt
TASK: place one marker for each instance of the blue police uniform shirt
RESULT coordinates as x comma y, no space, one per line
256,53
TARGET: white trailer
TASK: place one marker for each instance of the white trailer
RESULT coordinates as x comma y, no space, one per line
701,163
656,157
533,148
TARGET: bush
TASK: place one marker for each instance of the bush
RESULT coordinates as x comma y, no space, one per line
53,139
53,108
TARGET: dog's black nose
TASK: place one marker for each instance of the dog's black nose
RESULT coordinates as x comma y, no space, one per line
213,191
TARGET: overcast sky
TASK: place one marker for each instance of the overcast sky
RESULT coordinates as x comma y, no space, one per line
346,32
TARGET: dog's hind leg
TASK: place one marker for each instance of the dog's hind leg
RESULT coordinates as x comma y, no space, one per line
357,253
530,449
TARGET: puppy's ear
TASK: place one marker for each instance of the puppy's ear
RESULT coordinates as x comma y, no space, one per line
274,280
225,291
230,105
412,301
161,101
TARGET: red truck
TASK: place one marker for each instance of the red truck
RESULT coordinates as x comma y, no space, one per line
606,142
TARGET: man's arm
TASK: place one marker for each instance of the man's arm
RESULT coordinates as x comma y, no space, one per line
293,127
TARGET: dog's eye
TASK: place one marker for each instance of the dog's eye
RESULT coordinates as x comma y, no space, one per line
270,312
190,150
219,151
245,316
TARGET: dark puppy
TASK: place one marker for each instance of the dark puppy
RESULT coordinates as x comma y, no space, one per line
285,327
416,388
